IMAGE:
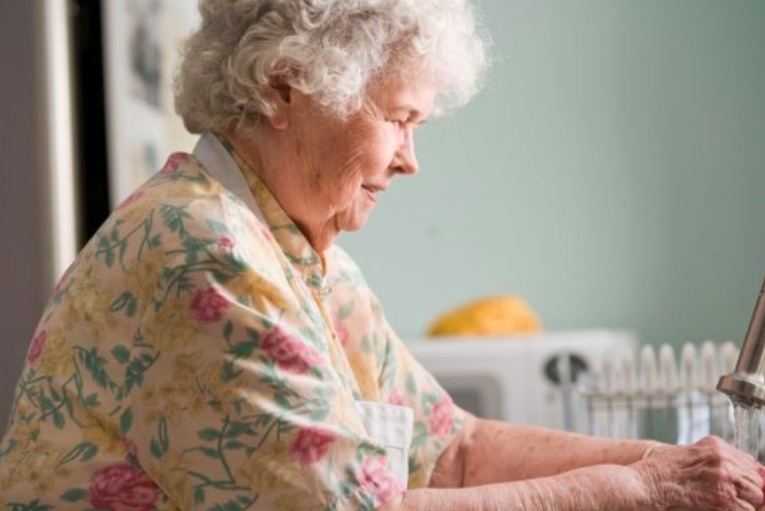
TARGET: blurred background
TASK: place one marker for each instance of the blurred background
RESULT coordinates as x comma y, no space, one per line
611,173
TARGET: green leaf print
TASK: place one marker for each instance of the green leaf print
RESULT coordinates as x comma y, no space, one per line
74,495
411,384
218,227
135,371
91,400
121,302
173,218
105,249
94,364
34,505
209,452
319,414
228,329
199,495
236,429
58,419
82,451
345,310
155,448
208,434
163,438
232,445
121,353
159,445
154,241
243,349
89,452
420,436
126,421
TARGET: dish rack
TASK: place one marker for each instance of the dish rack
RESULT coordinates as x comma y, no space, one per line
657,395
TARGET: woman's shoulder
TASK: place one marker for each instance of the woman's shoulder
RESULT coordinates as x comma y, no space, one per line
182,198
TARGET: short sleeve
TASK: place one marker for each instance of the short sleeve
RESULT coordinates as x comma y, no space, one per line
396,377
437,420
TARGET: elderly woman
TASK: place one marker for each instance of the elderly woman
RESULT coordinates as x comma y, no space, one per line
211,348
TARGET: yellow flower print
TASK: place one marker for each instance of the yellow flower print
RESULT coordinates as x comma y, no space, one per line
171,410
180,394
25,433
363,367
263,294
204,187
172,326
57,357
171,473
105,437
271,468
419,479
186,365
149,396
136,210
142,276
36,465
224,392
87,306
295,500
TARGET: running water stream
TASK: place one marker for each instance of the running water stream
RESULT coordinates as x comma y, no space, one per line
746,428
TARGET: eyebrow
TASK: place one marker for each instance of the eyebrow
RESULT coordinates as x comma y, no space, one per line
413,112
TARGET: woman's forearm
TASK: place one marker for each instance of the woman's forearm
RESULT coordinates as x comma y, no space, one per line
604,487
491,452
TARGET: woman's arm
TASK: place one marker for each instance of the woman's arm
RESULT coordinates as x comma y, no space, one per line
491,452
600,488
708,475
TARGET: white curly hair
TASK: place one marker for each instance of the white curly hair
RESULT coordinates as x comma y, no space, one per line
330,49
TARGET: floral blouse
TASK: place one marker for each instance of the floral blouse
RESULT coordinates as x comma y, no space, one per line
199,354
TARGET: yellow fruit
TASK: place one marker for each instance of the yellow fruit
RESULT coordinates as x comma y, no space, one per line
494,316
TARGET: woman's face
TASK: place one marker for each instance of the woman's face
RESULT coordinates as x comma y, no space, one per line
340,169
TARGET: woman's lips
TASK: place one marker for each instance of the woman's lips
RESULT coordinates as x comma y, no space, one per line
370,193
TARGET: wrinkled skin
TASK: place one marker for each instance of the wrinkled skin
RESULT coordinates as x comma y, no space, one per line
708,475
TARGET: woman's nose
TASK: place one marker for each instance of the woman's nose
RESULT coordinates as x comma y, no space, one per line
405,159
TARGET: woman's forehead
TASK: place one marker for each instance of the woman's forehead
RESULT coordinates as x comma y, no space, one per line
400,92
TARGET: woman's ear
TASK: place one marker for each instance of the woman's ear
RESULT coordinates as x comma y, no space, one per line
279,94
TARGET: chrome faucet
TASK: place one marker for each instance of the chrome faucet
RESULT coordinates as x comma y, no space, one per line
746,385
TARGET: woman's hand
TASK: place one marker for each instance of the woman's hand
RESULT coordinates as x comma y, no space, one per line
708,475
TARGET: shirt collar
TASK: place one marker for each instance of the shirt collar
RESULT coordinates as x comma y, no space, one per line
220,158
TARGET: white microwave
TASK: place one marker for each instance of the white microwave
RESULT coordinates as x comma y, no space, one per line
518,378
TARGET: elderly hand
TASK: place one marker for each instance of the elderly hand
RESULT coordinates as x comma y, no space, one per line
707,475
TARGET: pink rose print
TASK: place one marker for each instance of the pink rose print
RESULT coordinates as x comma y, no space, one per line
395,398
208,305
311,444
172,163
340,330
290,353
36,347
130,200
377,480
122,487
441,417
226,243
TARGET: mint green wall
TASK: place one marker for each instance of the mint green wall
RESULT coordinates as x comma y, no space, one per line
612,173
